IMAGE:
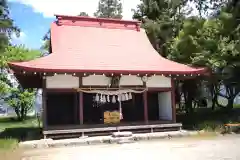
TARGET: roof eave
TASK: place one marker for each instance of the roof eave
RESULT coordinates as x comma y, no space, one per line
18,67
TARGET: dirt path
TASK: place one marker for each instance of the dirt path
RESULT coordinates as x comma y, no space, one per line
220,148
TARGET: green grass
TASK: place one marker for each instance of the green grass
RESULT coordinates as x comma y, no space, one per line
13,123
236,106
13,131
7,144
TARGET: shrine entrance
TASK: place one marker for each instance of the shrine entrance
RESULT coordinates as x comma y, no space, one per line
62,108
131,110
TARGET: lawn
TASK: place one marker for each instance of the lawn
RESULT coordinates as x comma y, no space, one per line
12,131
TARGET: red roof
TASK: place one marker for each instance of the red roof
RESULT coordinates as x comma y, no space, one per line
83,44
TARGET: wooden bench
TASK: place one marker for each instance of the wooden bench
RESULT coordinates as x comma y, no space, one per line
228,127
111,129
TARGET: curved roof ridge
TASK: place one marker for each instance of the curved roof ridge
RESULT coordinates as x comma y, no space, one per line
84,21
97,19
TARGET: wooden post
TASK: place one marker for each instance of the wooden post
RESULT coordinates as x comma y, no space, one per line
173,101
81,107
44,104
145,107
80,101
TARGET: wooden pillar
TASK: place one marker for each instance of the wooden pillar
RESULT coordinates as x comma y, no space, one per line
76,108
173,101
81,107
80,94
145,101
44,104
145,107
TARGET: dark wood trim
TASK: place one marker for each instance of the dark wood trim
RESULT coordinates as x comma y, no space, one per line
106,86
145,101
61,90
145,107
173,101
80,94
44,103
151,89
76,114
150,126
81,107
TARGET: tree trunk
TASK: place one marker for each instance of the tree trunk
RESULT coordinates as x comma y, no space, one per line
230,103
189,90
214,102
16,109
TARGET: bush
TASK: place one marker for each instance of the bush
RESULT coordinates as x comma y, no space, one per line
211,126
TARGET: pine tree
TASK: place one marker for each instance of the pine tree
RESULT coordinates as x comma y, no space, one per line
109,9
83,14
6,25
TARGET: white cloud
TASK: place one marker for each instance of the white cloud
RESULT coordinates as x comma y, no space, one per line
18,40
73,7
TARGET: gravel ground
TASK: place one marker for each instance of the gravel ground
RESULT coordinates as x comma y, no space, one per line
218,148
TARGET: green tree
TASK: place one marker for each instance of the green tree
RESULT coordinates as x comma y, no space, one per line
22,101
212,43
205,40
7,27
109,9
162,20
83,14
47,42
18,98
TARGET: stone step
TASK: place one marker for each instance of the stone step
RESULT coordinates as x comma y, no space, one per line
123,140
122,134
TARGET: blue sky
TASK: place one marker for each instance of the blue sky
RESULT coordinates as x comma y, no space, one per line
34,17
33,25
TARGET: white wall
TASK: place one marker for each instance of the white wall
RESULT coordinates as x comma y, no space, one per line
126,80
165,105
159,81
69,81
96,80
62,81
130,81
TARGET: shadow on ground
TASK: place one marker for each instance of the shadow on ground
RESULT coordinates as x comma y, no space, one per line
205,118
21,133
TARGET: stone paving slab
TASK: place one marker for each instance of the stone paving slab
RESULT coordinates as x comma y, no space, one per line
82,141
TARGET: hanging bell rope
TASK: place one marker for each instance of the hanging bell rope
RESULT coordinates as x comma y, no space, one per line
109,92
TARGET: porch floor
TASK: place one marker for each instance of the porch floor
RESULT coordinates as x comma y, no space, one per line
103,129
88,126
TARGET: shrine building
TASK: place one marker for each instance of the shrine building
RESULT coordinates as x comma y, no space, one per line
103,75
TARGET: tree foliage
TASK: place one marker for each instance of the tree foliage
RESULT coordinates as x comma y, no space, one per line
83,14
17,97
7,27
211,39
47,42
161,20
109,9
22,101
